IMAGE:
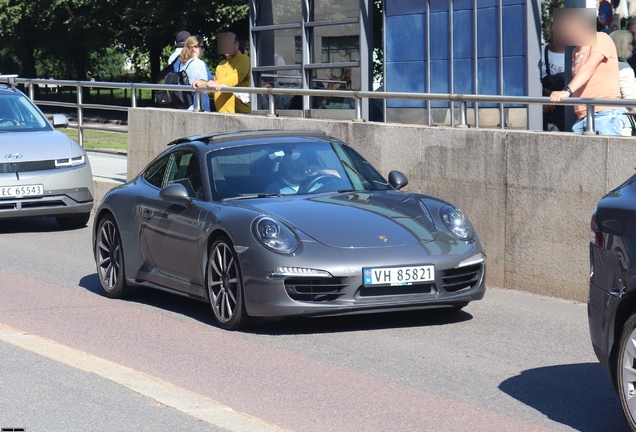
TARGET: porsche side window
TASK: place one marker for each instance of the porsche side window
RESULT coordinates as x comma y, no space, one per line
184,169
155,173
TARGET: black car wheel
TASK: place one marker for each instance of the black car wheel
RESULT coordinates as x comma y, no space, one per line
626,371
75,221
225,285
109,257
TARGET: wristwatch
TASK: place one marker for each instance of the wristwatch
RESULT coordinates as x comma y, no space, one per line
568,89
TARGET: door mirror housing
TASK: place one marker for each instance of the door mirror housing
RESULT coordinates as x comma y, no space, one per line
60,121
176,193
398,180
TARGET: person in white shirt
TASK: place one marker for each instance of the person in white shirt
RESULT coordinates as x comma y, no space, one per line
624,48
195,68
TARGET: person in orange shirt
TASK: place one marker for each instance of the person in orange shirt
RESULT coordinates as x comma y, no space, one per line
594,70
234,71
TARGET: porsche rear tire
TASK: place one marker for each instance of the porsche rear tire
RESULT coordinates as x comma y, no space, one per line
109,258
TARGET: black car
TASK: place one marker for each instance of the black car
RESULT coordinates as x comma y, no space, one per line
612,297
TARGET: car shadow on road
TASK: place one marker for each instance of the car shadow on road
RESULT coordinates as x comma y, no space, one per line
372,321
194,309
577,395
32,225
201,311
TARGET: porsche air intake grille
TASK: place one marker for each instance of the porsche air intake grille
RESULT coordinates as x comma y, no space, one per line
314,289
462,278
13,167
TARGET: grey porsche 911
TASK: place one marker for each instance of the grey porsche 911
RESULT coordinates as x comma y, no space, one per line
271,224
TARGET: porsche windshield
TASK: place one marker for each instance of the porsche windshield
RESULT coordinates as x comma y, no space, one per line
290,168
18,114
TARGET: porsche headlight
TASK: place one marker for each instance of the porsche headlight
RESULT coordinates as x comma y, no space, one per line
274,235
456,223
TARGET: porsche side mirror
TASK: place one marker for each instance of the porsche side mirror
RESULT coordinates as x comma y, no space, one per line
176,193
398,180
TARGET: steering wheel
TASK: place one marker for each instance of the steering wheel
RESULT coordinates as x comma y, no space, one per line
4,120
326,178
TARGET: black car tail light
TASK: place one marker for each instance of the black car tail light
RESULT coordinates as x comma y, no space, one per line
597,237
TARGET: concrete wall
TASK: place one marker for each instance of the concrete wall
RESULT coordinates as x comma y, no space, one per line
529,194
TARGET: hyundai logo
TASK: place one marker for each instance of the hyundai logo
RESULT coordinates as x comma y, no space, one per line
13,156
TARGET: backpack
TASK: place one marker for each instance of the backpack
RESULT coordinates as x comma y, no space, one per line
554,82
175,99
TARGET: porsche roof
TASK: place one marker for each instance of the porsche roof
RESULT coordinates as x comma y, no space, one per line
224,137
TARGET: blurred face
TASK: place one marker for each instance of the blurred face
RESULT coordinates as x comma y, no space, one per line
574,27
295,169
227,44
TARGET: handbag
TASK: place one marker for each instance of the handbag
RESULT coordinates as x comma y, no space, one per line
554,82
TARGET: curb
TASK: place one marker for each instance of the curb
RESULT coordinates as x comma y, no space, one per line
108,151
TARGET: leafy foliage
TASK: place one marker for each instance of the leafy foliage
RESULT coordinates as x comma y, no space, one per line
78,39
547,8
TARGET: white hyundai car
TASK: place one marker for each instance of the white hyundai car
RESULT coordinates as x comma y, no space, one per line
42,171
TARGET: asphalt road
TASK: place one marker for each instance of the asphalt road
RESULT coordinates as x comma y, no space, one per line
110,166
73,358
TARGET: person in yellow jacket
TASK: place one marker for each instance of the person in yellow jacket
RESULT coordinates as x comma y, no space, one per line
234,71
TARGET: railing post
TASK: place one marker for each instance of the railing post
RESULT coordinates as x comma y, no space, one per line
133,96
462,115
31,91
272,111
198,103
358,109
589,128
80,116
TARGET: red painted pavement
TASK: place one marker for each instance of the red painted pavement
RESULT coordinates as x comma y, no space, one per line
278,386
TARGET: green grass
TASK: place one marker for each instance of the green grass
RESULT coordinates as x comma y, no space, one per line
99,139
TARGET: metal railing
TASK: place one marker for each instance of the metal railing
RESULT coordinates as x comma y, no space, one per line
462,100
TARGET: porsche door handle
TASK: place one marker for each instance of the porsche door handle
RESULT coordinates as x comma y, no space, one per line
146,214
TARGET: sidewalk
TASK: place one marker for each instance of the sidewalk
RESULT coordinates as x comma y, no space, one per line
108,165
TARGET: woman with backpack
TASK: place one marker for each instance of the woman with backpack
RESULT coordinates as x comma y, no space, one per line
195,68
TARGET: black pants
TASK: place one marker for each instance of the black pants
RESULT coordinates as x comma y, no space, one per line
555,120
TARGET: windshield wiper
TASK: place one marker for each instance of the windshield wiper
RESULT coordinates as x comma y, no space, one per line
261,195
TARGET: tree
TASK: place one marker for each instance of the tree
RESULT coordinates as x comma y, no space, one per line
65,38
148,27
547,14
54,32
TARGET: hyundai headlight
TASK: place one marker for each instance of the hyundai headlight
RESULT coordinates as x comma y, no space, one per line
274,235
456,223
70,162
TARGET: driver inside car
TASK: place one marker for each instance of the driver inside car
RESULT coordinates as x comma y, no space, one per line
295,171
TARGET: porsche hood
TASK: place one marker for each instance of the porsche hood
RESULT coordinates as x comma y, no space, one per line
356,219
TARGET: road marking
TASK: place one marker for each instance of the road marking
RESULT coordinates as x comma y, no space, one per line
163,392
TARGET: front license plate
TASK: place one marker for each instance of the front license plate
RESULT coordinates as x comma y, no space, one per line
396,276
21,191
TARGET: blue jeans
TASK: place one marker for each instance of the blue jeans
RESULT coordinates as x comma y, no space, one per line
609,122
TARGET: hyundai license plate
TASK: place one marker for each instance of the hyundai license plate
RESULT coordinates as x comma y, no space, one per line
398,276
21,191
